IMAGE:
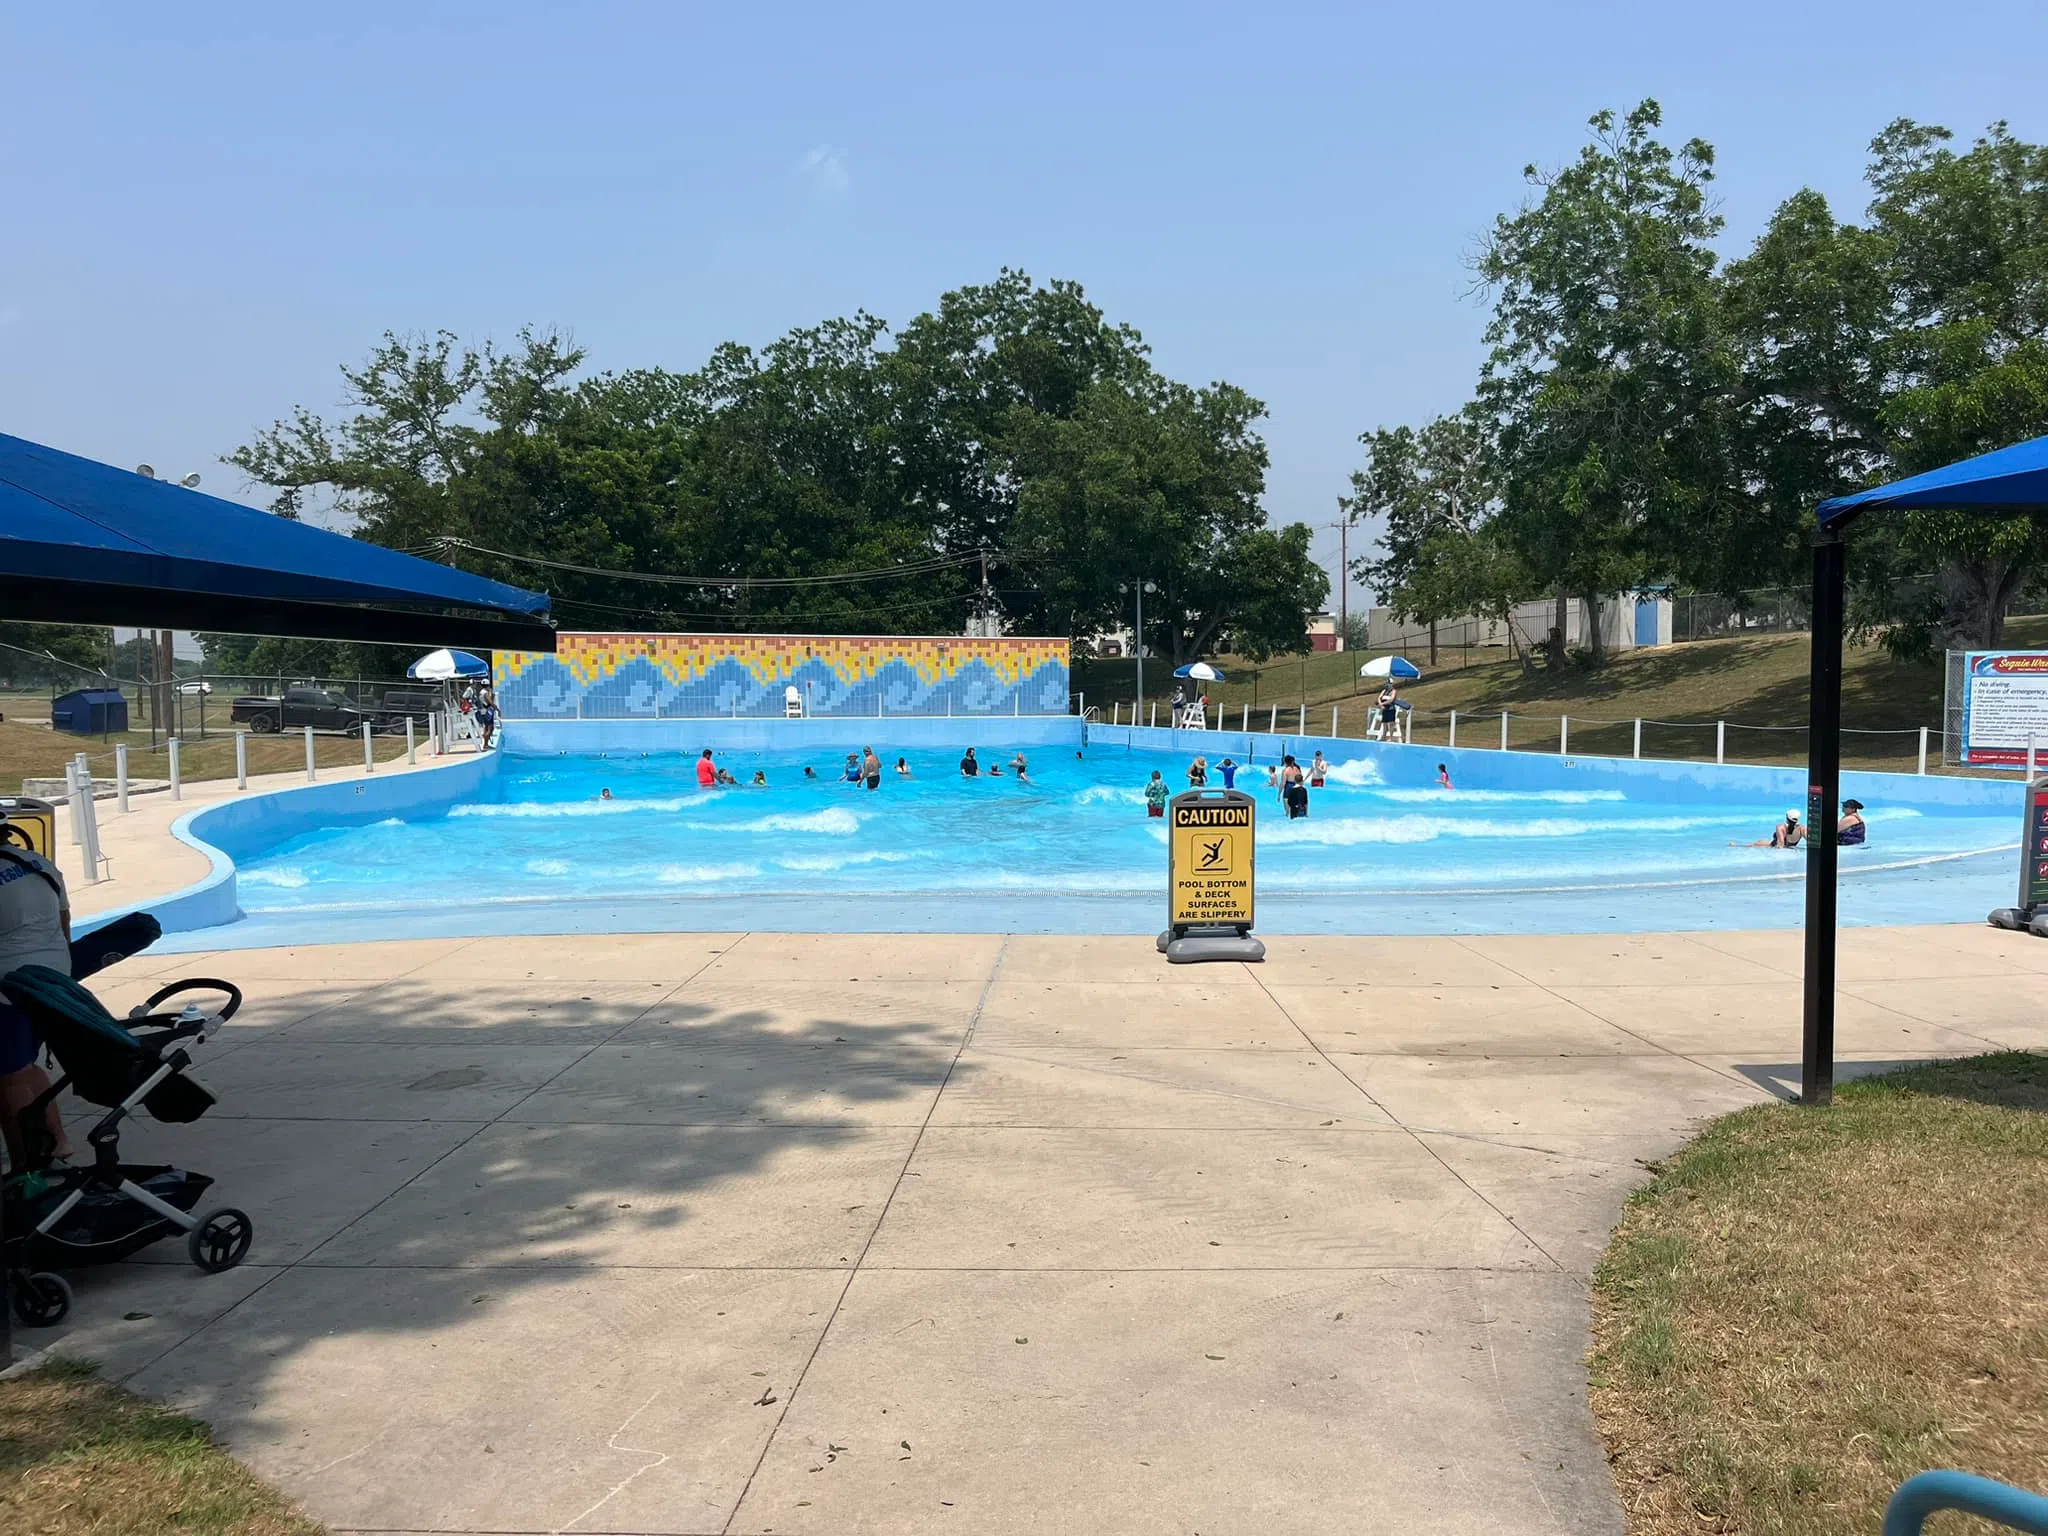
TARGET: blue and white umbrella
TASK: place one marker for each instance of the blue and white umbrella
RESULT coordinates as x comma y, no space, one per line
1395,668
439,666
1200,671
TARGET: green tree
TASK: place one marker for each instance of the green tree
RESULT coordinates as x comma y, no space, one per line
1607,364
1152,480
1442,556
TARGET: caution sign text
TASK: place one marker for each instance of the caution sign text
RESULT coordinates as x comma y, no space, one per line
1210,860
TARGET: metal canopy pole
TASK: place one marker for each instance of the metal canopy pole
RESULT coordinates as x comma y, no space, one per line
1823,791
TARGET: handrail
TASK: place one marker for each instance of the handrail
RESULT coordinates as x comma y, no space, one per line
1922,1495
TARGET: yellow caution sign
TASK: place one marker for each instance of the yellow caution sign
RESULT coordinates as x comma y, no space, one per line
1209,859
34,821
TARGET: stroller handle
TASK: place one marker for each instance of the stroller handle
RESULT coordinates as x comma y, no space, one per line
198,984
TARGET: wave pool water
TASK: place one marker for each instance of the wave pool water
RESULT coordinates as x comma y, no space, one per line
1070,848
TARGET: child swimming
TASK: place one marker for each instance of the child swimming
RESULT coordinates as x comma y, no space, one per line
1155,795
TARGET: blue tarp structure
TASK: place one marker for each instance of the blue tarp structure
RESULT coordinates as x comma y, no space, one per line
2007,481
86,543
2012,479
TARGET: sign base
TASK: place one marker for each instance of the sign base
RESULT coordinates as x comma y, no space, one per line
1198,944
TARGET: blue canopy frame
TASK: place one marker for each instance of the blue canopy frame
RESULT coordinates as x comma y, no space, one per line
85,543
2009,480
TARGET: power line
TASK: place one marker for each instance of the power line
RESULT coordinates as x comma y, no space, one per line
920,567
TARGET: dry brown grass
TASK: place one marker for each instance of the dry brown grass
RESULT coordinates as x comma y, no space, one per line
36,751
81,1458
1805,1307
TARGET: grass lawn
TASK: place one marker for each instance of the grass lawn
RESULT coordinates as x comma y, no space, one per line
1805,1307
81,1458
1757,683
36,751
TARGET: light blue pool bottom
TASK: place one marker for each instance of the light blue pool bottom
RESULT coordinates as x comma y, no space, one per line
1526,843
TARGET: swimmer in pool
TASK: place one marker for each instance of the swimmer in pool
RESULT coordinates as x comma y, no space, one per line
1228,770
902,769
871,767
1017,766
605,793
968,766
1786,834
760,780
1317,769
1443,776
995,770
852,773
1155,795
810,772
1851,831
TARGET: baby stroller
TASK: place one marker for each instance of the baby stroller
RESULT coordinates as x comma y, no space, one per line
56,1217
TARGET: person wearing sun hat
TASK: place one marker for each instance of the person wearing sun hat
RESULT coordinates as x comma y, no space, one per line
1786,834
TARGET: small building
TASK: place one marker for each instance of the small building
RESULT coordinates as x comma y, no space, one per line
89,712
1323,634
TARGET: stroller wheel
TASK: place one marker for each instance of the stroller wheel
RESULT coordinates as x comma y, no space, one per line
220,1240
41,1300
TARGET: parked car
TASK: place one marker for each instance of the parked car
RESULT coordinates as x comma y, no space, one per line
419,703
198,686
298,707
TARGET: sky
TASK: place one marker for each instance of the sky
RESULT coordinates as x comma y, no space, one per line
207,210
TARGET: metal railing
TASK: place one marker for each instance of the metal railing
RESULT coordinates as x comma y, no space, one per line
1931,1492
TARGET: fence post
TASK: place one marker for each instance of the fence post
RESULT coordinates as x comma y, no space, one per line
1923,749
241,759
177,778
1245,720
1301,721
369,752
1720,741
1273,721
1454,730
409,743
310,772
1503,730
1083,711
1638,750
1152,717
1564,735
121,777
1333,720
71,799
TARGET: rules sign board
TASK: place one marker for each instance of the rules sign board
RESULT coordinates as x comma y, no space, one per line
1209,859
2005,705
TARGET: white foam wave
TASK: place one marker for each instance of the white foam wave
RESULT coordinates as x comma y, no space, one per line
838,822
704,874
1360,770
1346,831
547,866
554,808
287,878
825,863
389,821
1441,796
1109,794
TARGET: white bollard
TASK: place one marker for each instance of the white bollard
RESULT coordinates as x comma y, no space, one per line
1503,730
1273,721
1301,722
369,751
311,772
1720,741
71,799
1333,720
1638,752
121,777
409,743
1564,735
1245,721
1923,749
241,759
1454,730
177,778
1153,722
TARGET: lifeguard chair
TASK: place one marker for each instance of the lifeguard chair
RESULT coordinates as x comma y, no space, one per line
792,702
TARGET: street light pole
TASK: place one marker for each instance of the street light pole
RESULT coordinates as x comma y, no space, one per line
1142,588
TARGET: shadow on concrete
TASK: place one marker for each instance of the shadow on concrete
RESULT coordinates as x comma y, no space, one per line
506,1141
2008,1079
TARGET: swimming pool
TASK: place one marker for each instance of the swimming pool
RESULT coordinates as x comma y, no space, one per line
1521,844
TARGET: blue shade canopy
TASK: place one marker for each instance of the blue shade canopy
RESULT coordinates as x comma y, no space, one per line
1200,671
2011,479
86,543
1398,669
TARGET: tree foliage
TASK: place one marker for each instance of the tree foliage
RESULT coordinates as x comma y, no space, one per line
1657,417
1012,430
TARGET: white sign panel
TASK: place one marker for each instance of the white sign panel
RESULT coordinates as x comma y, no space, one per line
2005,704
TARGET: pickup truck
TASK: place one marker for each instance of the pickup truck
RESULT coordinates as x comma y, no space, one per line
298,707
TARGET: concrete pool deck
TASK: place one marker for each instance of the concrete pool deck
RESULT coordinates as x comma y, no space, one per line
705,1233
